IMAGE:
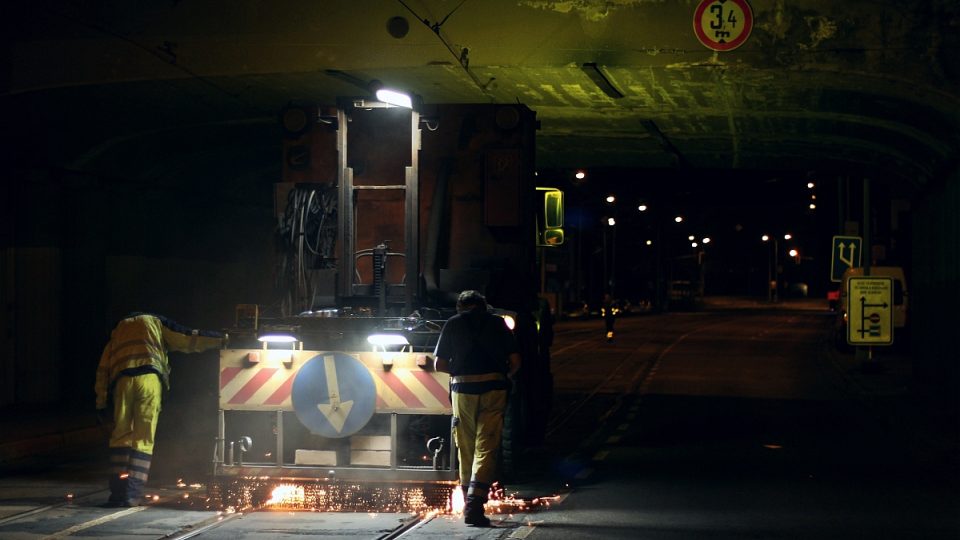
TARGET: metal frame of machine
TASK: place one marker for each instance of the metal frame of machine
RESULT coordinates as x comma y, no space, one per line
350,217
263,378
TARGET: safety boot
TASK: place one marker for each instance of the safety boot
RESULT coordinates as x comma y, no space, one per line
118,491
134,492
473,513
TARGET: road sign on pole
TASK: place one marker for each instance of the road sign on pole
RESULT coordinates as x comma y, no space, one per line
847,253
722,25
870,311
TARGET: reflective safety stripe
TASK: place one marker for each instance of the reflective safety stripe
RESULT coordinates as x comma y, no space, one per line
140,465
119,457
478,489
484,377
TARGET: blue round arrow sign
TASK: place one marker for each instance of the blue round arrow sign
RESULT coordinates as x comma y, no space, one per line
334,395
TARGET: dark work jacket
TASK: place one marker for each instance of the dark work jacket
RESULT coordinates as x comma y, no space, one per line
476,343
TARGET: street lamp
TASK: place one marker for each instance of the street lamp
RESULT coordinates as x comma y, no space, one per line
610,272
773,279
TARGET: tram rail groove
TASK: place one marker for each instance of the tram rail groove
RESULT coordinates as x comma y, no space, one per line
641,374
40,509
408,527
206,525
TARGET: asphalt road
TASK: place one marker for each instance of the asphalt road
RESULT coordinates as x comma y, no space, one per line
737,424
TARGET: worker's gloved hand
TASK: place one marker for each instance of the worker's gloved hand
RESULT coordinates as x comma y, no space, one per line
104,417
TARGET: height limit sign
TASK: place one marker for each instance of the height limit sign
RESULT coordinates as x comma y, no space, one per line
722,25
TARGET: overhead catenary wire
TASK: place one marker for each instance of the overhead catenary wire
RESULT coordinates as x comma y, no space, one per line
462,54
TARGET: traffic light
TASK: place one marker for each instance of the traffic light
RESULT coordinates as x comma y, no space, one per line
549,216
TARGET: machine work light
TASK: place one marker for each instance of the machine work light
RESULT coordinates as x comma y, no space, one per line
393,97
386,345
276,337
282,336
386,340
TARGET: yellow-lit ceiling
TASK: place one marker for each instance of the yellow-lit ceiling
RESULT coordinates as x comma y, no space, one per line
857,86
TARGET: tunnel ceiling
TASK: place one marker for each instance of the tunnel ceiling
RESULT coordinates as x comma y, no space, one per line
859,86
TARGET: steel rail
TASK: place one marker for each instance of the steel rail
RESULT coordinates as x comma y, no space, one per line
561,418
40,509
408,527
205,525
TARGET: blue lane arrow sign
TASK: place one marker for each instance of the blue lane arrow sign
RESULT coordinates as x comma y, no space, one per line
334,395
336,411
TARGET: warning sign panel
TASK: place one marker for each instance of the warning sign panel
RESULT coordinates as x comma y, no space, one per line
723,25
870,311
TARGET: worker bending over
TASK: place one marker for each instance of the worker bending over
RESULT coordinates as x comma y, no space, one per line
133,364
479,352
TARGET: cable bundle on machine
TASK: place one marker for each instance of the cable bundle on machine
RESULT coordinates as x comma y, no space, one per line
307,234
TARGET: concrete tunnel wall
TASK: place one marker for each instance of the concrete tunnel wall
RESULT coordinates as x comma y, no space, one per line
935,283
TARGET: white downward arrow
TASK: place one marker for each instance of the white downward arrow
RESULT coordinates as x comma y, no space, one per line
336,411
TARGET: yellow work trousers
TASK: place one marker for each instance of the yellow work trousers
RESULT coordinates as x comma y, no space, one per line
136,407
477,435
135,411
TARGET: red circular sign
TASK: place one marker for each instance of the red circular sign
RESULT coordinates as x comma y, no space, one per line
723,25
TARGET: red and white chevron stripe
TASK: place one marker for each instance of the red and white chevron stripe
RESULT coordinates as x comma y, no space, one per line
256,388
266,385
412,390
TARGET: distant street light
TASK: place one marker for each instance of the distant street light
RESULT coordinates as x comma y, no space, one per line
678,219
706,240
642,208
580,175
610,257
773,279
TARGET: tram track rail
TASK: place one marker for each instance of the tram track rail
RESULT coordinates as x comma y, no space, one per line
198,529
572,353
407,528
46,508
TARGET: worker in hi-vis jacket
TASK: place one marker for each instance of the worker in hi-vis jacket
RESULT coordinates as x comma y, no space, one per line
480,353
132,373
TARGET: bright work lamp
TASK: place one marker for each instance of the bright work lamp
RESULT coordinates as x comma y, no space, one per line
276,337
386,345
392,97
386,340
